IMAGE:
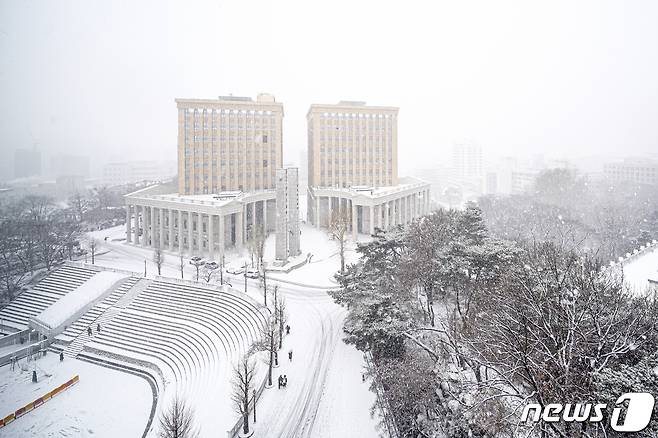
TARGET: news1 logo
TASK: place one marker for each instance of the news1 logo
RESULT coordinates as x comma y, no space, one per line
638,412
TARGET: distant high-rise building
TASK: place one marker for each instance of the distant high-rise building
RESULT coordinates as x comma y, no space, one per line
27,162
467,166
230,143
351,144
287,213
642,171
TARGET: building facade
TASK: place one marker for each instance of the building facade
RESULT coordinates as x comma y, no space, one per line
351,144
202,225
382,207
287,213
632,170
228,144
353,166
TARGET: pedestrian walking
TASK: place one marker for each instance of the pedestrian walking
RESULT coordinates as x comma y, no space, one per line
88,331
290,355
287,329
280,381
285,380
61,356
98,328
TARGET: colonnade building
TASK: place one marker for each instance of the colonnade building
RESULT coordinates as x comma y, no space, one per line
228,152
353,167
202,225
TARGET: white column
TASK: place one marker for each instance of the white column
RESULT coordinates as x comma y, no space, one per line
128,225
380,219
171,229
179,230
238,229
355,223
317,212
211,237
199,232
190,242
220,241
161,227
253,216
153,232
136,209
372,219
145,228
387,213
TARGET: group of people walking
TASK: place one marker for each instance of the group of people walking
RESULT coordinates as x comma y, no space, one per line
90,331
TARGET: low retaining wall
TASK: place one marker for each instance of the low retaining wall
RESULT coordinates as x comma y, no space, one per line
38,402
14,338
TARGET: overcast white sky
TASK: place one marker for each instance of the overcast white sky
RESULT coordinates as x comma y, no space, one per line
553,77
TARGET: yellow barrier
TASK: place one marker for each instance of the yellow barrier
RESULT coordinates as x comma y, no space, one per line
38,402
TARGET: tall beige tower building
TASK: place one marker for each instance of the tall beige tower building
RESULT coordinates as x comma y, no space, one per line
228,144
351,144
353,169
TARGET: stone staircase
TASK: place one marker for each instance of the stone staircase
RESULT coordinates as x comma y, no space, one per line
77,345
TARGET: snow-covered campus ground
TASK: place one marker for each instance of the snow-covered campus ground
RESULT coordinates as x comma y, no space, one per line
325,395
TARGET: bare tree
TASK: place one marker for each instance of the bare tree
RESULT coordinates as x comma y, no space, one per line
79,205
93,247
177,421
182,266
244,374
268,343
258,237
339,225
197,262
158,258
281,316
209,270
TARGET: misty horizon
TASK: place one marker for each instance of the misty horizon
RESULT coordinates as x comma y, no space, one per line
559,80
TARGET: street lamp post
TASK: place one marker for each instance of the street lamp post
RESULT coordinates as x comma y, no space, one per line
245,277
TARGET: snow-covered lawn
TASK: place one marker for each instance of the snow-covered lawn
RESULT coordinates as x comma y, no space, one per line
104,403
640,269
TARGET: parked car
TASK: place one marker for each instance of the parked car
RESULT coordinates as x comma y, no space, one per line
237,270
253,273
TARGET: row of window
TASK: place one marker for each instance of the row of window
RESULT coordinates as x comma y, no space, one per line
204,111
328,115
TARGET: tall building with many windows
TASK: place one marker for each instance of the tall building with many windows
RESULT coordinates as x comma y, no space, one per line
228,152
351,144
227,144
353,169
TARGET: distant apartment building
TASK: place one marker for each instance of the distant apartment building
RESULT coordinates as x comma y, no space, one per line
228,144
468,168
353,168
287,213
129,172
641,171
27,163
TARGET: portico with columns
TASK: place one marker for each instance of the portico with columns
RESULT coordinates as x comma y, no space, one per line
204,225
368,208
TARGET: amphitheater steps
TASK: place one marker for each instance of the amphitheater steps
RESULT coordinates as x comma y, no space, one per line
105,312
